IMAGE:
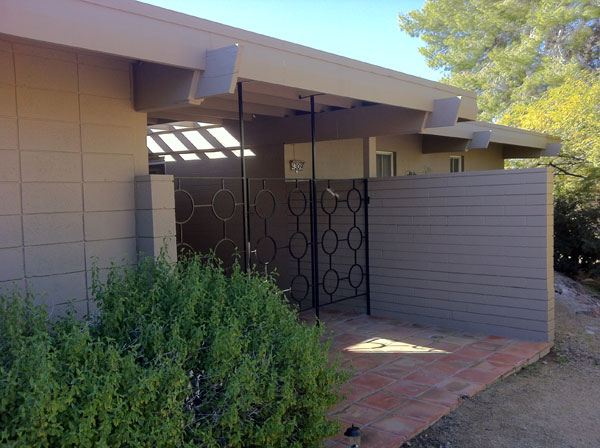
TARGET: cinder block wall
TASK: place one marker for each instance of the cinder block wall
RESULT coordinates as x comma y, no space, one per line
70,147
465,250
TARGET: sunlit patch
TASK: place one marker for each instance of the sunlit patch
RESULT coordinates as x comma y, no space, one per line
197,140
190,157
153,146
382,345
215,155
247,153
224,137
173,142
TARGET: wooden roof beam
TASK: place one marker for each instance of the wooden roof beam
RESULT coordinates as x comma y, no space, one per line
332,125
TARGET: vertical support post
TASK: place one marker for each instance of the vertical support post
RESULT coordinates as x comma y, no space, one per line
368,278
313,208
246,202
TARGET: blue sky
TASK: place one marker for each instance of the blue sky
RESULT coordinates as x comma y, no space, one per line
366,30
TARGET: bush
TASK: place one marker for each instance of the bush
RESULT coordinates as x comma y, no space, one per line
60,386
576,235
178,355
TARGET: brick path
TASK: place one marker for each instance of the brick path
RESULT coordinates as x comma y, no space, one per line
407,375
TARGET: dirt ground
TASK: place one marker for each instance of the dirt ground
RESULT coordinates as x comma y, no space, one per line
552,403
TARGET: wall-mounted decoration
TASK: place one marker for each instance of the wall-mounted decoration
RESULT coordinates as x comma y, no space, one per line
296,165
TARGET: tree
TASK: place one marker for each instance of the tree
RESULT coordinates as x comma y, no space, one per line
507,50
535,64
571,110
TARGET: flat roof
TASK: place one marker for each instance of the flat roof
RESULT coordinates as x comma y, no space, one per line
144,32
281,72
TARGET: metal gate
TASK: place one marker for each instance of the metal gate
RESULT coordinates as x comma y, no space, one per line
304,232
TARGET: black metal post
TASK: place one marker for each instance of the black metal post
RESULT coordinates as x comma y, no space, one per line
246,202
368,278
313,205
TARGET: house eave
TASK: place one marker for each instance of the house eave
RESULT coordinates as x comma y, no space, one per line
143,32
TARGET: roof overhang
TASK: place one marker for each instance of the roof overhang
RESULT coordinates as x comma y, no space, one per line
187,69
515,143
182,45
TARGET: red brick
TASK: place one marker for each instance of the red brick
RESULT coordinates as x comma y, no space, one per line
362,364
524,349
354,392
371,380
487,345
360,414
421,410
426,357
406,388
498,339
446,368
372,438
392,371
427,377
496,367
445,346
461,387
348,339
478,376
475,353
383,400
442,397
399,424
506,359
410,362
458,361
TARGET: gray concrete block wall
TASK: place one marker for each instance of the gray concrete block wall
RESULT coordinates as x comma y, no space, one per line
466,250
71,146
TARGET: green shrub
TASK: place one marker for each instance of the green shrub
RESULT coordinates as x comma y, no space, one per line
576,235
60,386
178,355
257,376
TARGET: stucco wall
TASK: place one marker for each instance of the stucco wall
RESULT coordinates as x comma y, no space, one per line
343,159
70,145
466,250
409,157
336,159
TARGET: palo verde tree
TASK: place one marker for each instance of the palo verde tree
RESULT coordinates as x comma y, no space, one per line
535,64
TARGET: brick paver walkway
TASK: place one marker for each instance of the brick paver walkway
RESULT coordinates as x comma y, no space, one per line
407,376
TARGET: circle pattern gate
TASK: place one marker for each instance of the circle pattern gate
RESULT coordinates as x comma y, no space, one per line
337,262
343,241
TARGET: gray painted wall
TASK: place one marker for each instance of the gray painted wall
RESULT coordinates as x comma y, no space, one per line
465,250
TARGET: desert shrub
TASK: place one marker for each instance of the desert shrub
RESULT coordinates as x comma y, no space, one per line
577,235
257,377
178,355
61,387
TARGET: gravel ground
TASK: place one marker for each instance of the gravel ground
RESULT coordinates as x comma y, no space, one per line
552,403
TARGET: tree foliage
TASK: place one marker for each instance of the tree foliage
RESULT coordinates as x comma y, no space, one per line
571,110
535,64
507,50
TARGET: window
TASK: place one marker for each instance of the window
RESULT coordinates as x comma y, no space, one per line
385,164
457,164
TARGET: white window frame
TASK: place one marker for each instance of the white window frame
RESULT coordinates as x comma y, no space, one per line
391,155
460,164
